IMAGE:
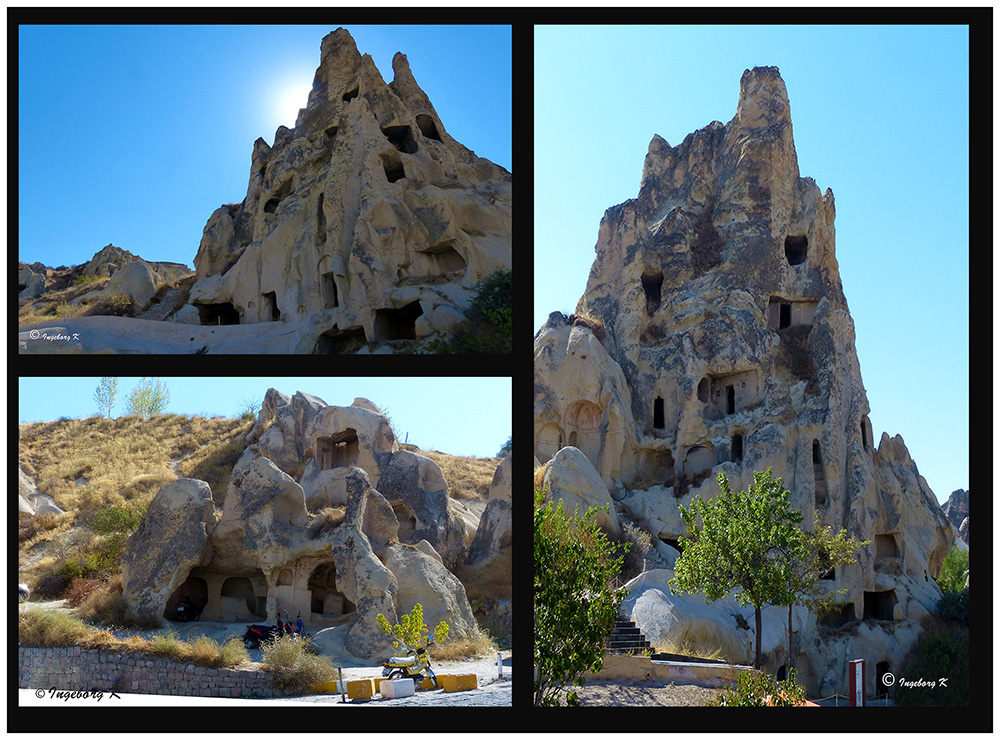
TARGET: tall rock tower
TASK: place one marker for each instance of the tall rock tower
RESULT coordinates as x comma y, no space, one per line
714,336
365,223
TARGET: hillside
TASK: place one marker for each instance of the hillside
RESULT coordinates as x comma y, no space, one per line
103,473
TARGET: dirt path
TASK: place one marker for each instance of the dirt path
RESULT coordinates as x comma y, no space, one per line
621,693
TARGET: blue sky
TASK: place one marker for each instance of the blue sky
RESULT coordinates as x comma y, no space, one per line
879,115
460,416
133,135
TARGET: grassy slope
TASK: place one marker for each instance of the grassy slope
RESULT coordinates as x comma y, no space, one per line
90,465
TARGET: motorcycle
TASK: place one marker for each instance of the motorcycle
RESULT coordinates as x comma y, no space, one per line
298,631
414,665
257,634
186,611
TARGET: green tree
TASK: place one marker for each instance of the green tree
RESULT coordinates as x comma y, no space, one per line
739,545
148,398
811,556
954,570
575,604
411,632
505,450
105,394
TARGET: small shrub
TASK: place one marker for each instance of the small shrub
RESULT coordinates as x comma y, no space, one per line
204,651
116,519
50,628
85,280
294,666
633,546
941,652
80,589
954,607
233,653
490,315
473,645
168,645
325,521
759,689
118,304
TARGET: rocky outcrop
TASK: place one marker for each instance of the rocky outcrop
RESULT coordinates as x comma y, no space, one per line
365,223
129,276
171,540
956,508
333,552
494,535
714,337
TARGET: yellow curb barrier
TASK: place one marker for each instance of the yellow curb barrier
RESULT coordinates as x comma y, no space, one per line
363,688
459,682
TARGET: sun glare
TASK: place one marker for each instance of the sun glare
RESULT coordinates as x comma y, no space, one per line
291,99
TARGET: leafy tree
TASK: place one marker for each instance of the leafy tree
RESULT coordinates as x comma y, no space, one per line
505,450
411,632
148,398
811,556
105,394
575,604
954,570
739,546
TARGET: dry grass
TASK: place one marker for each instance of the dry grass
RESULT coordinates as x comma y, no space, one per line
55,304
52,628
474,645
97,469
467,477
493,580
294,666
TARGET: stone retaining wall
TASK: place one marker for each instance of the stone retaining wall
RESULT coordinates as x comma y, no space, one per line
637,667
76,669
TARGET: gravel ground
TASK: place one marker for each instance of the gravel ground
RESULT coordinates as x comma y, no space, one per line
622,693
493,691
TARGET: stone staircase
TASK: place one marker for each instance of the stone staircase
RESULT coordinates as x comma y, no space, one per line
171,301
626,638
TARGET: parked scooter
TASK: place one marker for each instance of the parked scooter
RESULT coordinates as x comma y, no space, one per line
416,665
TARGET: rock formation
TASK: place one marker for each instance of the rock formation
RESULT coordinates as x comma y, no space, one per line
714,336
366,222
328,545
129,275
365,227
956,508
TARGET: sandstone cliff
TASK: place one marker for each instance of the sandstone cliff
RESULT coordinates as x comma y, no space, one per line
714,336
366,222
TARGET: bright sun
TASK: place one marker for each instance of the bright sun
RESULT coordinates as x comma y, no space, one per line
291,99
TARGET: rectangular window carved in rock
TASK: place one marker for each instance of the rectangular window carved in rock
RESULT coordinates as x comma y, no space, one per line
338,451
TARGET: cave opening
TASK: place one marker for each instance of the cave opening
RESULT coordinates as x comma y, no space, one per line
427,127
397,323
217,314
401,137
795,249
